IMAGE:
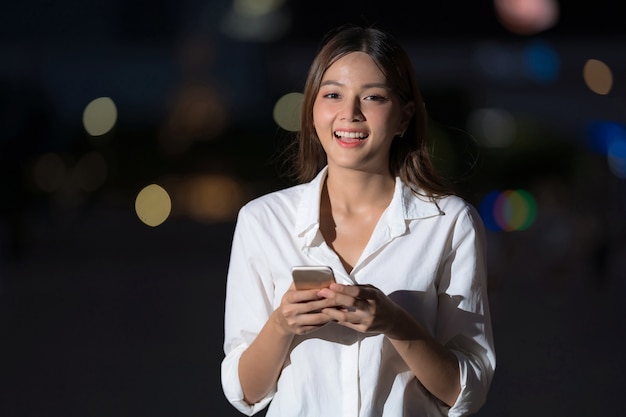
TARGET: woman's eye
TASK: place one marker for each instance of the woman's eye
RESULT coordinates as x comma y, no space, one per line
331,95
376,97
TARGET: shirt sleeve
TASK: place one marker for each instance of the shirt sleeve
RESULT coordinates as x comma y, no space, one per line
464,322
248,305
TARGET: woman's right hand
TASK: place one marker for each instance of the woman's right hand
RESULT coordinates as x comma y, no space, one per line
260,364
300,311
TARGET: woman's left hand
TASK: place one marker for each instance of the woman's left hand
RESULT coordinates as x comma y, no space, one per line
364,308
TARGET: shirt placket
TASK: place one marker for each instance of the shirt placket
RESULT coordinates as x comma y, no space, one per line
322,254
350,379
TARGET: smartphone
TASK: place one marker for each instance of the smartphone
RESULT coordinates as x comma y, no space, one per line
312,276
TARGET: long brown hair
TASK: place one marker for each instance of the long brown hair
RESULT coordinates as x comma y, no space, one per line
409,155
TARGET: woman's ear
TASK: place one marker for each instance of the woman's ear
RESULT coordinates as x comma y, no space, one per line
407,114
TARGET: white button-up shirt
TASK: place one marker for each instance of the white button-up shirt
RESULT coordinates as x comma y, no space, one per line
429,258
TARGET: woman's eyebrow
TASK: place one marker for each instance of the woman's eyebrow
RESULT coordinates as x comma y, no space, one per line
331,82
368,85
377,85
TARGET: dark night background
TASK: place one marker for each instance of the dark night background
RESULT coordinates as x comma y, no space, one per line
102,315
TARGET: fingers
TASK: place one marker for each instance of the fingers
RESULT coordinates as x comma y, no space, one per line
302,324
350,290
301,296
355,317
357,305
351,296
354,306
364,292
300,311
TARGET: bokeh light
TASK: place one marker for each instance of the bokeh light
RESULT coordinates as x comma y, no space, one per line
100,116
49,172
603,133
256,7
617,158
500,62
287,111
153,205
527,17
256,20
598,76
493,128
609,138
508,210
197,113
542,61
210,198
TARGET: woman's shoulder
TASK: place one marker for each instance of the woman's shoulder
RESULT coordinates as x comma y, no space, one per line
284,198
456,205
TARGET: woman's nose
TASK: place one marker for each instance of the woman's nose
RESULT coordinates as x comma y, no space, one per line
352,111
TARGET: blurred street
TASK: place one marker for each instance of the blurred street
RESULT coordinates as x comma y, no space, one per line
105,317
112,305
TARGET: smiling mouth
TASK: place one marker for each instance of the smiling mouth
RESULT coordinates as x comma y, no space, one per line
350,136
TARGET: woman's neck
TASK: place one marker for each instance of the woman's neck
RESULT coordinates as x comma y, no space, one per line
355,191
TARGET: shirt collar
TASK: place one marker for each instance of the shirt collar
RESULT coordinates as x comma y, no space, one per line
308,214
405,205
415,205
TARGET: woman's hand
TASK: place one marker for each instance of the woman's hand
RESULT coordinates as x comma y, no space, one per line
260,365
366,309
363,308
301,312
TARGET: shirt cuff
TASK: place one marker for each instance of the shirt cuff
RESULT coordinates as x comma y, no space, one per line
471,397
232,386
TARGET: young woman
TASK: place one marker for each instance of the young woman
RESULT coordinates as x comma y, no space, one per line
405,330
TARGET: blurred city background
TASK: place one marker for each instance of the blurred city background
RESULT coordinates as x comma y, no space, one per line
131,131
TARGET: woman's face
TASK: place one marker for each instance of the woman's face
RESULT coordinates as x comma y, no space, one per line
356,115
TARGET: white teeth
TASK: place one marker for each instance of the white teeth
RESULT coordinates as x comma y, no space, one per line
351,135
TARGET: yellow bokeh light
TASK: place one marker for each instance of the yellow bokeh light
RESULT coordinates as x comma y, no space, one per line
598,76
197,113
153,205
287,111
211,198
49,172
99,116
